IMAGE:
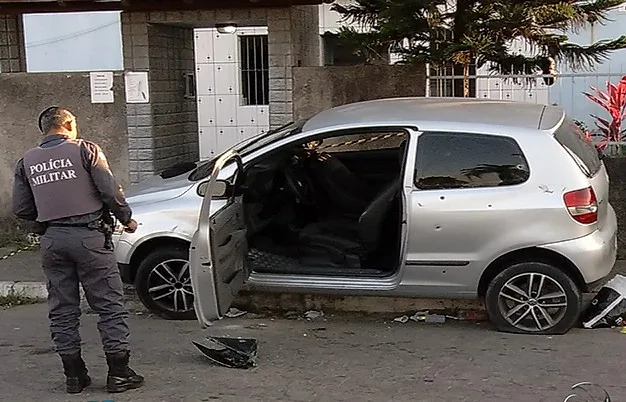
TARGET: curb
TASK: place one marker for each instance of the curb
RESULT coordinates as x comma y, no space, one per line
38,292
31,290
269,302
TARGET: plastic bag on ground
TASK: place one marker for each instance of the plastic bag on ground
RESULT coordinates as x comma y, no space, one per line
608,308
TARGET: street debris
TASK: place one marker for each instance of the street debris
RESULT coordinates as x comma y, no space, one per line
472,315
256,326
292,315
313,315
238,353
422,316
608,307
404,319
234,313
428,318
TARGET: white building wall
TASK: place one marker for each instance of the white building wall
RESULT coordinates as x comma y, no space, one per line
521,91
330,21
223,119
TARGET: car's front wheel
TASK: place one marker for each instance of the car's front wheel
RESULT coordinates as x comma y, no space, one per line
163,283
533,298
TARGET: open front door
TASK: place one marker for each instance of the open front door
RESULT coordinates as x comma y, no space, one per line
219,247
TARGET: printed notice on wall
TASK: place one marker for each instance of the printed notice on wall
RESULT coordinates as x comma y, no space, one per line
137,87
101,86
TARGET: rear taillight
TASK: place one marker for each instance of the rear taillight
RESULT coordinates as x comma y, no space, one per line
582,205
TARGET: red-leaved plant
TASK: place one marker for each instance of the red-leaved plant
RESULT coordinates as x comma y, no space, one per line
614,102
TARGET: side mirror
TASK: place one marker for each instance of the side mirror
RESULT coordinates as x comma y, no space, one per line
221,188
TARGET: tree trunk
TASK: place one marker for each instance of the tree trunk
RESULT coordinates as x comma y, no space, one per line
466,86
461,17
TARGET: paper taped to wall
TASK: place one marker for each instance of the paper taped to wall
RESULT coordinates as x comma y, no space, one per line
101,83
137,87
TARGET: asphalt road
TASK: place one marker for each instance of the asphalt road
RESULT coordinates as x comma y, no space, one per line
329,359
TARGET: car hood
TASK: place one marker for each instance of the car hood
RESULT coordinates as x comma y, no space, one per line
157,189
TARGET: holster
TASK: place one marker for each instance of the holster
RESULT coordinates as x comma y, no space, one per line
106,225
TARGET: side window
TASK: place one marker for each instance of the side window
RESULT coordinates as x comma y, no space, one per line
461,160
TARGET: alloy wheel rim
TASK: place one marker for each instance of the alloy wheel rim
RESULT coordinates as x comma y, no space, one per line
169,286
532,302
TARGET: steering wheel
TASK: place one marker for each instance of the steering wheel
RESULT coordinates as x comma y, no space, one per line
298,182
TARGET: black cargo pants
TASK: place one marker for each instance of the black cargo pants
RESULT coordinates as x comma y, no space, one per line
73,255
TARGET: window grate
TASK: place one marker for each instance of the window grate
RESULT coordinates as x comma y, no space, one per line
255,73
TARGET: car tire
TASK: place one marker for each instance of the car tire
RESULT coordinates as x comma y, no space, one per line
147,278
510,311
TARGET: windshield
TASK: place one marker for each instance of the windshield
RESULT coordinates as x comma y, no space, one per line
250,145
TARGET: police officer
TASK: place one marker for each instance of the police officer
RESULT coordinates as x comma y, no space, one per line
65,184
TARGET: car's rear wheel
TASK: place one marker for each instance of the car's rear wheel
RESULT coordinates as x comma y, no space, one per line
533,298
163,283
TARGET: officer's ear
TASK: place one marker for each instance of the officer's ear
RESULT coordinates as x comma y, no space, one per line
69,125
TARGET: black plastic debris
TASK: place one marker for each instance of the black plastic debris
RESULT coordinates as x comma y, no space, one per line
608,307
238,353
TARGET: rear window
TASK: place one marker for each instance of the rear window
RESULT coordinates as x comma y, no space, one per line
573,138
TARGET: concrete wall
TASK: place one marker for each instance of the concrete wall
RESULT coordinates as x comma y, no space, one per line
293,42
617,197
12,53
23,96
165,131
320,88
174,118
161,43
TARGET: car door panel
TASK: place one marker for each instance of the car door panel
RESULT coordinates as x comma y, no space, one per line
218,251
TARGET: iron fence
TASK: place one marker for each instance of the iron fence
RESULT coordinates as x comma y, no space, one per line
565,90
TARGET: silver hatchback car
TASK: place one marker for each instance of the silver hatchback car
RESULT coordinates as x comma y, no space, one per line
418,197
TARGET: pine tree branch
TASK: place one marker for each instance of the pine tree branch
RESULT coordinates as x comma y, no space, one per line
596,10
585,57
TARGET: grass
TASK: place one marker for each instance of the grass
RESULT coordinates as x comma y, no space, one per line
18,299
13,242
13,233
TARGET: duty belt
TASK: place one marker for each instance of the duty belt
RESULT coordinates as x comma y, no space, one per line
90,225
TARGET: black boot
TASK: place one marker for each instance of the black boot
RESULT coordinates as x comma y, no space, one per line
76,374
121,377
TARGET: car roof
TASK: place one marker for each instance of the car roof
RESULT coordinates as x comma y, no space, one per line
420,111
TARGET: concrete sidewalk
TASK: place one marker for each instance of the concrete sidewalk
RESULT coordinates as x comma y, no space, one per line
341,358
21,276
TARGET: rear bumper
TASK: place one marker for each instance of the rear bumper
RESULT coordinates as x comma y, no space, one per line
594,254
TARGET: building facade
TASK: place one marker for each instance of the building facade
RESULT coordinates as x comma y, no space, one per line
230,79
